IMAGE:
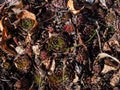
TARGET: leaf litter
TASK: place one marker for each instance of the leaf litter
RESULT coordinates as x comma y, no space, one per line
59,44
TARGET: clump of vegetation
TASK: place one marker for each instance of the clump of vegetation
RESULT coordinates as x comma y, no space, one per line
27,23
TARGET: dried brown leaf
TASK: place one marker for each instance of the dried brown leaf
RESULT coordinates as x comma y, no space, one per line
6,36
103,2
116,78
1,26
70,5
17,3
108,68
106,47
46,63
103,55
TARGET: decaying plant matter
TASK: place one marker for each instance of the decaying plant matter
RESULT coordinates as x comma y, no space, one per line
59,45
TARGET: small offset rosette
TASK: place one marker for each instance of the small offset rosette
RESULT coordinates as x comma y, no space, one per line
28,21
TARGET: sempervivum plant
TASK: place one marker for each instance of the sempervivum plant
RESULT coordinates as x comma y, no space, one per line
23,63
56,43
28,21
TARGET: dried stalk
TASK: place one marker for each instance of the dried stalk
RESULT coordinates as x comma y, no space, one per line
99,40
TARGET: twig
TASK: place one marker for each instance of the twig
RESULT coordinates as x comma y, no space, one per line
99,40
104,34
4,80
63,76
